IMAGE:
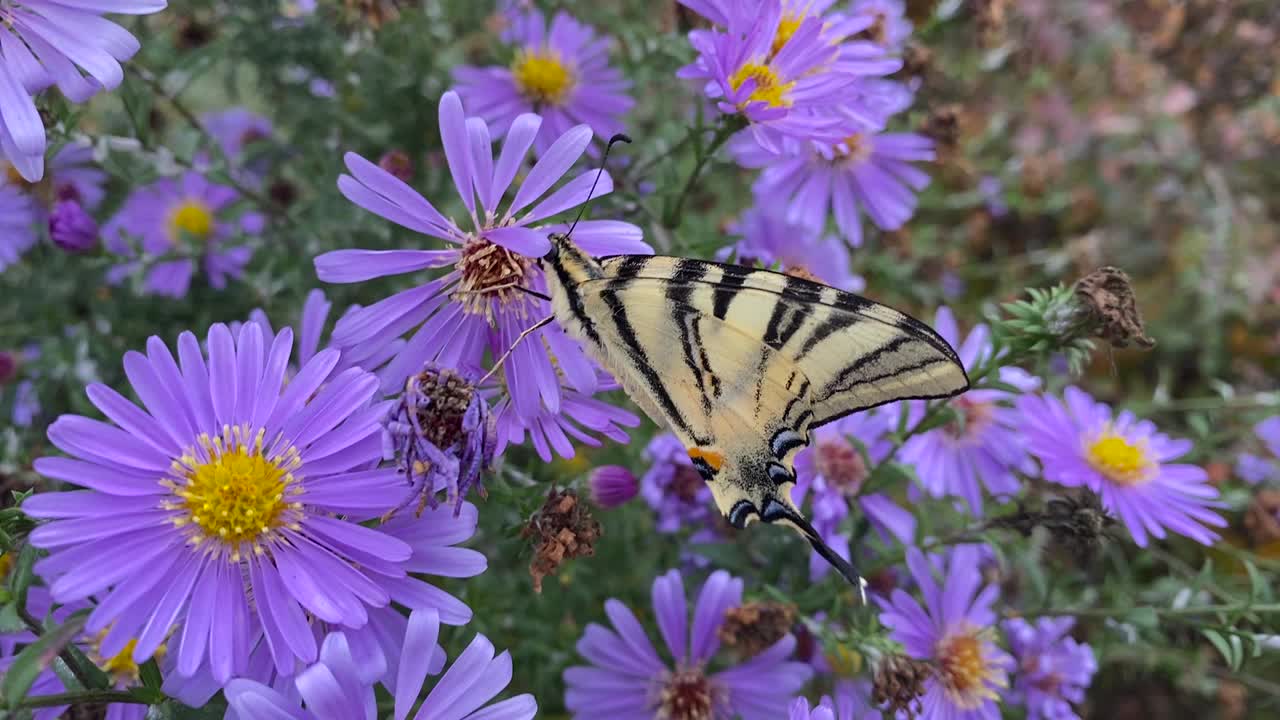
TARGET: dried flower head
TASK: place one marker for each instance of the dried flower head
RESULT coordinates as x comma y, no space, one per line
442,433
943,126
752,628
398,163
1078,524
1262,518
899,683
374,13
1108,296
562,529
992,18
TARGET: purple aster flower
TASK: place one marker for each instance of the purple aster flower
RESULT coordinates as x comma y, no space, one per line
831,474
612,486
71,228
228,486
889,25
1255,469
188,217
442,435
338,687
784,67
768,238
121,669
982,448
477,306
673,487
561,72
863,173
1126,461
17,225
954,629
48,42
1053,670
628,679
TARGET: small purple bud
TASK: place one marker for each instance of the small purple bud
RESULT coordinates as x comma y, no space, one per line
8,366
612,485
71,228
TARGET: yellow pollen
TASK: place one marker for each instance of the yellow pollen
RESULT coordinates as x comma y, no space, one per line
1122,462
235,493
121,666
965,671
192,218
542,76
856,149
768,89
13,177
787,27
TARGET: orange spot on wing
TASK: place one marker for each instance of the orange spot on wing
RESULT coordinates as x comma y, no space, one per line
710,457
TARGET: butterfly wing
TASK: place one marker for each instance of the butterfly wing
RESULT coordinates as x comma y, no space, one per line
742,363
856,353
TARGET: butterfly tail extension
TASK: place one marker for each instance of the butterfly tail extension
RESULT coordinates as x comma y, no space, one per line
776,510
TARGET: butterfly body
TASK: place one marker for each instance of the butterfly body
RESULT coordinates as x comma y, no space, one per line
741,363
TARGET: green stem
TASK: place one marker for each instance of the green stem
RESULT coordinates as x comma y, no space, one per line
726,129
80,697
37,628
157,86
1120,612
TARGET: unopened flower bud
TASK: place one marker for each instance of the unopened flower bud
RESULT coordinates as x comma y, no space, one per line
612,485
71,228
8,366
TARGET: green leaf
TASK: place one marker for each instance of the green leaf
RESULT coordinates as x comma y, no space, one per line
150,673
1229,648
36,658
1259,588
22,576
1143,617
94,675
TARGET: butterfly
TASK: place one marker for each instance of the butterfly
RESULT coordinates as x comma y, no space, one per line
743,364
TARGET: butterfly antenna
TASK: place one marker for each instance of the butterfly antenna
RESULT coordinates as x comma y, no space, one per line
617,138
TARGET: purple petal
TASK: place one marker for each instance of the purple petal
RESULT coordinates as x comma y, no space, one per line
552,166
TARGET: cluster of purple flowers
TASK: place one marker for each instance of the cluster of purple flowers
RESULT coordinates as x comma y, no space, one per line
808,81
242,521
222,528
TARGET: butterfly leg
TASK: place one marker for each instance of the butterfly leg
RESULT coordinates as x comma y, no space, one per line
528,331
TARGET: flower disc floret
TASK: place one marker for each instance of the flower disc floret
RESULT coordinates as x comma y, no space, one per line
235,491
542,76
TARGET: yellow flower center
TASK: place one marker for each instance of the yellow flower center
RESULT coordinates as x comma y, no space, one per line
542,76
1121,461
768,88
233,491
192,218
964,669
787,27
13,177
856,149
